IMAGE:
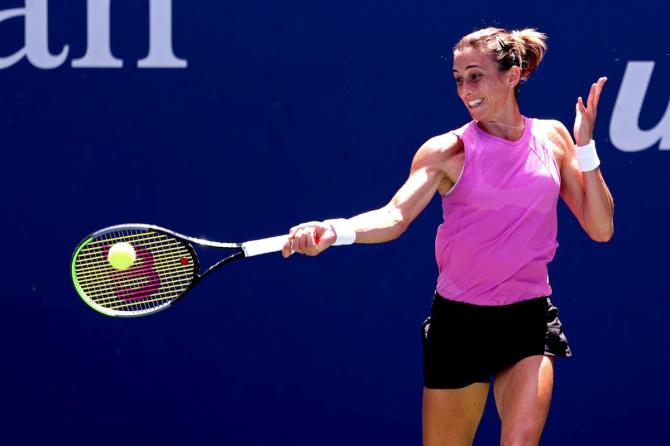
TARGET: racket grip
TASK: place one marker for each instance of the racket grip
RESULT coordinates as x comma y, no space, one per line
264,246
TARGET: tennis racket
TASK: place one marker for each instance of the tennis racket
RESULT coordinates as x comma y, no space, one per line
158,267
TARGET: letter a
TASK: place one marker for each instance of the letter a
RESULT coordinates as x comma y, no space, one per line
36,37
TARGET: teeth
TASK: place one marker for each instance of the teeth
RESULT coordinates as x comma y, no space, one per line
475,102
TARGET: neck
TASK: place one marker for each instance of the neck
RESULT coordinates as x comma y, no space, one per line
509,126
500,124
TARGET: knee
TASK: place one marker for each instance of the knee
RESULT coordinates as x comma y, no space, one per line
520,436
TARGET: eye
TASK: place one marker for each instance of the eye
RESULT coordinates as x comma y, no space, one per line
475,76
459,80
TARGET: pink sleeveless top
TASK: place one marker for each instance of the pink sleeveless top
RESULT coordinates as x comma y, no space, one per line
499,229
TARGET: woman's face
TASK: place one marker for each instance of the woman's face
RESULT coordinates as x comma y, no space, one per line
484,90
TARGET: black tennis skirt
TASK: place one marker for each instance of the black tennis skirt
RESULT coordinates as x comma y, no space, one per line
465,343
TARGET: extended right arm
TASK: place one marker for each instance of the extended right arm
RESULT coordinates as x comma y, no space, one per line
428,171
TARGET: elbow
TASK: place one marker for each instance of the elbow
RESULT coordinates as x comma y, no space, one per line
603,235
400,222
401,227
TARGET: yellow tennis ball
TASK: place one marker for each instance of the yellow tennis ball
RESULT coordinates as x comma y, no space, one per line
121,255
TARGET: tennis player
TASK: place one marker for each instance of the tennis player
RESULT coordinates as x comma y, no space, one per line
499,177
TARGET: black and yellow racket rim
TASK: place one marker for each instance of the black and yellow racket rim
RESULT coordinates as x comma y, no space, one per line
163,269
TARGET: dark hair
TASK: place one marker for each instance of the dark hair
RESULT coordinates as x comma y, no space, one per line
522,48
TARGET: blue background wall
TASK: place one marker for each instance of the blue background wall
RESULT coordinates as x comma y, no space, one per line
287,112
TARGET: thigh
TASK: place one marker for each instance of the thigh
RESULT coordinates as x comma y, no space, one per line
523,395
451,416
455,346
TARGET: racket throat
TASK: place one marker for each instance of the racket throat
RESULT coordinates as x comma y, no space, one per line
219,264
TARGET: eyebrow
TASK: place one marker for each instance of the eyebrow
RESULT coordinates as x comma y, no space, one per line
467,68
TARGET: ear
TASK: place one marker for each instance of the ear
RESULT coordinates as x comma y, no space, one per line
514,76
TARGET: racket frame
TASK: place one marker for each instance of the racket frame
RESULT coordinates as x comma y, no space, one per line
188,242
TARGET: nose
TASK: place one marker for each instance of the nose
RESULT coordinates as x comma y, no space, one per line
466,90
466,93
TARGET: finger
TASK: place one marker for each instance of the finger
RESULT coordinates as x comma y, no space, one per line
316,249
300,226
295,240
306,239
599,89
293,230
580,106
312,247
592,94
286,250
311,239
299,244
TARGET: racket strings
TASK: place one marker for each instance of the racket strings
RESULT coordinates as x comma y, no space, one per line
131,285
164,267
135,286
97,262
99,273
128,294
91,255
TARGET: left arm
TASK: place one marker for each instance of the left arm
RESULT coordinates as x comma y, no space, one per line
586,193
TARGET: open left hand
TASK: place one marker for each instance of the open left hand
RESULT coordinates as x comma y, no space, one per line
586,116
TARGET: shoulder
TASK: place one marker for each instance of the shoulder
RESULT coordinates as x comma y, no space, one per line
439,149
557,134
553,130
438,152
445,143
443,156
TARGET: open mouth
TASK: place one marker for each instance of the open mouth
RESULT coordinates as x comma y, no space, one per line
475,102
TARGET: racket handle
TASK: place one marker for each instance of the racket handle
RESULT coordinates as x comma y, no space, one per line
264,246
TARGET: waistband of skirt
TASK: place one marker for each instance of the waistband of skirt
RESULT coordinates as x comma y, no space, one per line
441,301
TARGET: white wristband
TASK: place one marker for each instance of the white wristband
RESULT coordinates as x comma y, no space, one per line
587,158
346,235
